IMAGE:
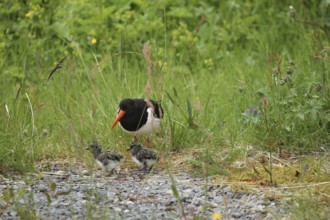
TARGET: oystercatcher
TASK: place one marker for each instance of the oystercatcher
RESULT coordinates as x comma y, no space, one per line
142,156
139,117
107,160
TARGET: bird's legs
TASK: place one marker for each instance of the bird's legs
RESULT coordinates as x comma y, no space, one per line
147,142
145,165
108,172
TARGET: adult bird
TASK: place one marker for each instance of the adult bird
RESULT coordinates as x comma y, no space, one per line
139,117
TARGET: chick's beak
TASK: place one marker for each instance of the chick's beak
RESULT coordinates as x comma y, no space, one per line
119,116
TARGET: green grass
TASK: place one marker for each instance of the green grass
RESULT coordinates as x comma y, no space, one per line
205,79
229,74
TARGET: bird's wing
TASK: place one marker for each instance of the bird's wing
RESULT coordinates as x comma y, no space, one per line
146,154
111,156
158,109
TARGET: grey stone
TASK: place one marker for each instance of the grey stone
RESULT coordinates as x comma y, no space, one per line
236,215
226,189
117,209
85,173
137,195
76,188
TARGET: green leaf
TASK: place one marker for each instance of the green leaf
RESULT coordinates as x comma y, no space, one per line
53,186
175,191
49,200
20,192
180,12
63,193
190,117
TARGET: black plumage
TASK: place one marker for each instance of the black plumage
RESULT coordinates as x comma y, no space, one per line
139,116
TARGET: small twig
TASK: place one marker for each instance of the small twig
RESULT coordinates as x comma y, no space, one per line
56,173
303,186
326,195
253,167
269,172
200,24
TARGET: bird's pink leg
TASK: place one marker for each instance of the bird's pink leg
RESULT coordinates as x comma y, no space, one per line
147,143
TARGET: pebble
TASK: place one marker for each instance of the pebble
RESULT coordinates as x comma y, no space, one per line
226,189
133,195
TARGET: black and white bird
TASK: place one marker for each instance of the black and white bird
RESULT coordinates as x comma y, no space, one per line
107,160
145,158
139,117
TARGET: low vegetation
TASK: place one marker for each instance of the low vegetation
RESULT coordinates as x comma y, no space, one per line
245,86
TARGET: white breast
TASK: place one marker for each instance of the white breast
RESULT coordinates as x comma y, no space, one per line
112,164
137,161
152,125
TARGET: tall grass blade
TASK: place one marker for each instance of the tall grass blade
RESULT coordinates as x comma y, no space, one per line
57,67
32,114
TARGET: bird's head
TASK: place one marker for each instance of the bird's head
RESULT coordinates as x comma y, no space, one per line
126,106
95,149
135,147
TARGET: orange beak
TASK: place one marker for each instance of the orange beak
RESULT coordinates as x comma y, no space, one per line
119,116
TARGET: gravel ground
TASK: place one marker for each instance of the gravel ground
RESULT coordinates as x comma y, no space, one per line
128,195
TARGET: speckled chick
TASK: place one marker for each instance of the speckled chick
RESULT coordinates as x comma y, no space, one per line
142,156
107,160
